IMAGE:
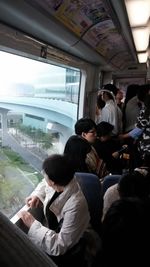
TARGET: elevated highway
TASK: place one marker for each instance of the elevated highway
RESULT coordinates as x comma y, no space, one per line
62,115
58,111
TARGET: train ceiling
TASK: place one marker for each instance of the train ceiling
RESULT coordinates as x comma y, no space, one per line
100,26
91,22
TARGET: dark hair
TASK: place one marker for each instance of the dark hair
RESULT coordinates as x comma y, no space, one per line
111,87
76,149
121,212
104,128
143,92
59,169
125,232
134,185
84,125
100,102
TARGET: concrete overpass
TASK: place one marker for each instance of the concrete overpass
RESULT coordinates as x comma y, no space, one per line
61,114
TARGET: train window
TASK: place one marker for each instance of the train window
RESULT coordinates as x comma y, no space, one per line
38,107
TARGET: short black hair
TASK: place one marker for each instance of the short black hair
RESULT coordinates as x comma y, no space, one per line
111,87
59,169
134,185
104,128
76,149
143,92
84,125
77,145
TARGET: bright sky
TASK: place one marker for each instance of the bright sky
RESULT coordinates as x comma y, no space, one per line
17,69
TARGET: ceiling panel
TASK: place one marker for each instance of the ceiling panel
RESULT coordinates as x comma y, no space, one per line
91,22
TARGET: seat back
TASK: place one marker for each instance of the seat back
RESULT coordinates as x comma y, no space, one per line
16,249
91,188
109,180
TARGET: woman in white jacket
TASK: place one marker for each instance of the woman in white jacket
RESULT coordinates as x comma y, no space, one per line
67,216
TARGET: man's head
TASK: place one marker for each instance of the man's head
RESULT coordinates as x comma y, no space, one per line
86,128
58,170
104,130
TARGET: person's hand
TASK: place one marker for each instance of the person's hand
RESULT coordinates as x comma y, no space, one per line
33,202
115,154
27,218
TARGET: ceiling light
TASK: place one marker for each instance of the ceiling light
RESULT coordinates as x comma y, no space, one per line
138,12
141,38
142,57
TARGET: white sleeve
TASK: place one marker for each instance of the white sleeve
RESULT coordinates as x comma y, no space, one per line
75,222
40,190
110,196
104,115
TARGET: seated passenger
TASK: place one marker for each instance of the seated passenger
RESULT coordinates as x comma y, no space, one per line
136,185
65,209
109,148
85,128
76,149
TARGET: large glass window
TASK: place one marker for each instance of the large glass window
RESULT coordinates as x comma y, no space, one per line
38,108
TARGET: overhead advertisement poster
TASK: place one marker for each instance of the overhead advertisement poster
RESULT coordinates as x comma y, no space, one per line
91,22
77,15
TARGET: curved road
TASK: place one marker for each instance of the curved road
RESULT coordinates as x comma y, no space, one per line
29,157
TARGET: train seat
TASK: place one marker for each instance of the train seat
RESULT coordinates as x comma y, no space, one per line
109,180
91,187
